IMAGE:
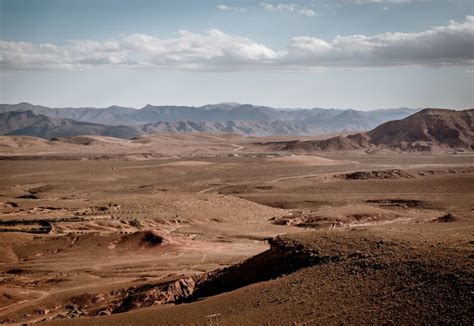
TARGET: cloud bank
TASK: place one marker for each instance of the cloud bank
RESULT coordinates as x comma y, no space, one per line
450,45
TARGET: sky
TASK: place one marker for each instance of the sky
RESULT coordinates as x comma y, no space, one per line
360,54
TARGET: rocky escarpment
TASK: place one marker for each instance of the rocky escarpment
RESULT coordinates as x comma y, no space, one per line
283,257
150,295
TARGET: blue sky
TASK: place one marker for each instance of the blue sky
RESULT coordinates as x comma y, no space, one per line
361,54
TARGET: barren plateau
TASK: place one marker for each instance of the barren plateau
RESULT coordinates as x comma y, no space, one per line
214,228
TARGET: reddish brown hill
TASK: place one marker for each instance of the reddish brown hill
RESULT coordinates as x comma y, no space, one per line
429,127
422,131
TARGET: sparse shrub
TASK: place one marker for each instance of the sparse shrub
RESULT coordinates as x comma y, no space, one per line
135,223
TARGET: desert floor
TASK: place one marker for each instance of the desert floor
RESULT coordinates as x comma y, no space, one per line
96,230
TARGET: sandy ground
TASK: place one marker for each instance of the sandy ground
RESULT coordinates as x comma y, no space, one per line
99,228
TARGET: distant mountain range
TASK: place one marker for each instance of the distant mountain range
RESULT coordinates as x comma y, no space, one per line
27,123
244,119
425,130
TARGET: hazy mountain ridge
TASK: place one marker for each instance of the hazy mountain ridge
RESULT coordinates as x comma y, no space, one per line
299,121
236,126
425,130
29,124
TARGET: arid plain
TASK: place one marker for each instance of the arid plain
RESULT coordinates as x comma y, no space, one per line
224,229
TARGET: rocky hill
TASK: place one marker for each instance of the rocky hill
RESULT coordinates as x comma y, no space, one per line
425,130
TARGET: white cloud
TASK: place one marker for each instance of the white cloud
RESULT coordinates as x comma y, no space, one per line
268,6
24,55
279,6
229,8
307,12
213,49
443,45
291,7
452,44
